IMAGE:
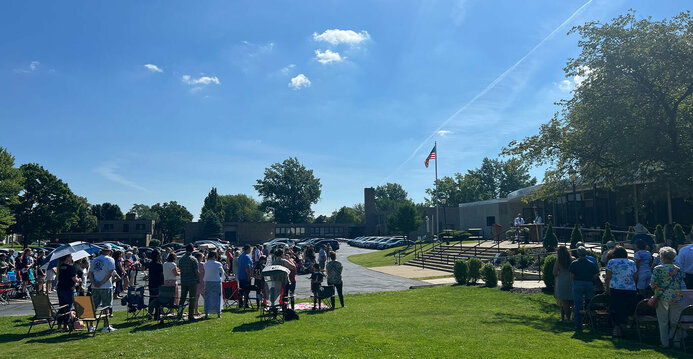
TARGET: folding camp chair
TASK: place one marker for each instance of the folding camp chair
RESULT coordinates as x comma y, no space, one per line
45,311
85,310
598,310
134,301
230,293
168,310
685,323
643,314
326,292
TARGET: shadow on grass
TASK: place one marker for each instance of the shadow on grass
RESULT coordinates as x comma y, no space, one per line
255,326
66,337
14,337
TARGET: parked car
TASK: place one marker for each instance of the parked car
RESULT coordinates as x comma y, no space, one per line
174,245
331,242
394,242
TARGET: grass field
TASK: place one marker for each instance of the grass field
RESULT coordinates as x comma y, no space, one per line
385,257
440,322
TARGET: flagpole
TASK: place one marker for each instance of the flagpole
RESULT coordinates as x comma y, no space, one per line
437,193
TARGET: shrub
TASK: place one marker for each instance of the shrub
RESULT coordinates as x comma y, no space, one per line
547,271
490,275
659,234
461,272
607,236
596,256
550,241
474,265
524,262
154,243
630,234
509,257
575,237
679,236
507,276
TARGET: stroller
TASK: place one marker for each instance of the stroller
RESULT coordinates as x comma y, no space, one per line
274,302
134,300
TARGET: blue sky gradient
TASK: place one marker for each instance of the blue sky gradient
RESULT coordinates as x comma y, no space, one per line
225,97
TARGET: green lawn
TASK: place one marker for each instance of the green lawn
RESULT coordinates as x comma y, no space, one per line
440,322
385,257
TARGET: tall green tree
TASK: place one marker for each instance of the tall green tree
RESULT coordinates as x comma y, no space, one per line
46,207
213,204
143,211
107,212
389,197
86,221
240,208
629,118
290,189
211,225
172,219
10,185
346,215
404,220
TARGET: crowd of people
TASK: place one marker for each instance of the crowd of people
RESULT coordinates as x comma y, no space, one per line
656,273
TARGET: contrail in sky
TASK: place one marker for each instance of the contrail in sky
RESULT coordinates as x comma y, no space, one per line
490,86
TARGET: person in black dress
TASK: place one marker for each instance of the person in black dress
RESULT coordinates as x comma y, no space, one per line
156,277
67,279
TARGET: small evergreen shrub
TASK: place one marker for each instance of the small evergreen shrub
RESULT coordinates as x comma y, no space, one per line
474,265
575,237
659,234
547,271
607,236
154,243
509,258
490,276
679,236
461,272
550,240
507,276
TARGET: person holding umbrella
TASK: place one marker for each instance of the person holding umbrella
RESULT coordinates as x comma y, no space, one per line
67,279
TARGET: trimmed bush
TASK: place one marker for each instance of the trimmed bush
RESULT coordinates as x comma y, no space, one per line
490,275
509,257
659,234
547,271
461,272
575,237
550,240
679,236
474,265
607,236
507,276
154,243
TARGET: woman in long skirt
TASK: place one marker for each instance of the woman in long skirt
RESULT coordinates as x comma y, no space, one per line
214,272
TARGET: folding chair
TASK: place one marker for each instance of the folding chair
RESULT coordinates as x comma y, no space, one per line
598,310
134,301
45,311
643,314
168,310
685,323
230,293
85,310
326,292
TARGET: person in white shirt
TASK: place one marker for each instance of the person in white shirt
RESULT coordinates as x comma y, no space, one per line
519,220
101,271
214,272
684,260
171,272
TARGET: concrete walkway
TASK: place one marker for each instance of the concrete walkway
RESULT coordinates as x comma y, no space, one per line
411,271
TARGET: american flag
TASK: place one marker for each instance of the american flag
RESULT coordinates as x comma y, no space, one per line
431,156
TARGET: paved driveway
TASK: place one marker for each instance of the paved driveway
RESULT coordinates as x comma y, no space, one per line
356,279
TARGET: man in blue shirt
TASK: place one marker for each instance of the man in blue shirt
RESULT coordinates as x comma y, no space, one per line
245,270
685,263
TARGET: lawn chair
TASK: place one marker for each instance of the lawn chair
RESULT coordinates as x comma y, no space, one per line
598,310
45,311
134,301
326,292
643,314
230,293
168,310
685,323
87,312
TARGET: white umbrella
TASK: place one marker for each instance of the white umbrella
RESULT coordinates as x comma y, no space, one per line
52,258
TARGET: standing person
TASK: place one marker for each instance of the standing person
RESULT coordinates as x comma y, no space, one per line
666,283
259,278
156,278
583,273
519,220
245,268
189,277
621,276
322,257
40,273
685,263
201,284
120,273
67,279
234,263
316,279
643,263
610,245
50,278
213,274
171,272
334,275
81,269
101,271
563,291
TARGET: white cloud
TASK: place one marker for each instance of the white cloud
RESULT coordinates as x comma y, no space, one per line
153,68
204,80
108,171
299,82
336,37
565,85
287,70
328,57
443,133
570,84
33,66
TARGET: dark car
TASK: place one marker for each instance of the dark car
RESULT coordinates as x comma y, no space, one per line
331,242
175,246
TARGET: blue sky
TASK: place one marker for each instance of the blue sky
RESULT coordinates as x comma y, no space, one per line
152,101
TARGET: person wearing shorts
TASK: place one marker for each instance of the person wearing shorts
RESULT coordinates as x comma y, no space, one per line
100,273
